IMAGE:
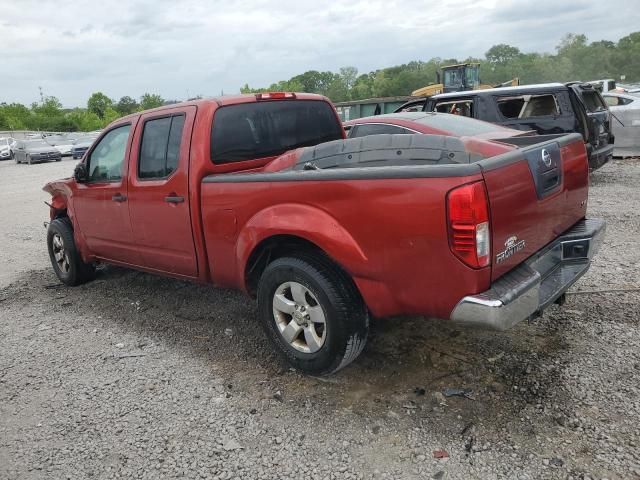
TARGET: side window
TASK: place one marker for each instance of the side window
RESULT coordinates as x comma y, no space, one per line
413,107
105,161
612,101
160,147
364,130
593,101
463,108
525,106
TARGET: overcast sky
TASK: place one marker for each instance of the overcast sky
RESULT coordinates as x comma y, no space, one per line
181,48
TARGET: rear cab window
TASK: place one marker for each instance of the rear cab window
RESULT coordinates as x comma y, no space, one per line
250,131
366,129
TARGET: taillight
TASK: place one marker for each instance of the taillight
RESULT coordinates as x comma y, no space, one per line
274,95
468,216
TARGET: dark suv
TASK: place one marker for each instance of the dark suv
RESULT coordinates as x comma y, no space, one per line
550,108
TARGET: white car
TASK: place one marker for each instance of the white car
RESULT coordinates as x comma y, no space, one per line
625,119
6,148
60,143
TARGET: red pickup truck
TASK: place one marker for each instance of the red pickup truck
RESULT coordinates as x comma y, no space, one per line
264,193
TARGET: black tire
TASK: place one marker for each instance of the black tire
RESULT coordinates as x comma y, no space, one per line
67,263
346,317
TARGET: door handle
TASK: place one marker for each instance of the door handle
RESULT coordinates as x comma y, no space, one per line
173,198
118,197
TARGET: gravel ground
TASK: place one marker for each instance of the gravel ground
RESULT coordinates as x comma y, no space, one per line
146,377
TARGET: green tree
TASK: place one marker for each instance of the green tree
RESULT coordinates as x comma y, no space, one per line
150,100
502,54
126,105
84,121
98,103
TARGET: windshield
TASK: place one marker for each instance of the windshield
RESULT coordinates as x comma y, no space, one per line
452,77
256,130
459,125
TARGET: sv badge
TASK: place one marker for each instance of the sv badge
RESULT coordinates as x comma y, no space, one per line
512,245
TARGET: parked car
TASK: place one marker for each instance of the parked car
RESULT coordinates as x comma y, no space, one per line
605,85
33,151
81,145
61,143
549,108
264,194
6,148
429,123
625,113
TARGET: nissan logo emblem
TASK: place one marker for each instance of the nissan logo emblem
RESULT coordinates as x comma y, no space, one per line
546,157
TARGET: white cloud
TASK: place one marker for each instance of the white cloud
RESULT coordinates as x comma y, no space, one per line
75,47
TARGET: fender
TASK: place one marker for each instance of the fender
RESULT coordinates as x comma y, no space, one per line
309,223
62,201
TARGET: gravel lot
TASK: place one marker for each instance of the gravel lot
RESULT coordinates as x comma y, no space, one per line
139,376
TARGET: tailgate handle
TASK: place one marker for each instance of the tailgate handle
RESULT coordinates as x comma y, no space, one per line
173,198
118,197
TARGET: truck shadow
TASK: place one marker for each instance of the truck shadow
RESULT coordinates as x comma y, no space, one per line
404,369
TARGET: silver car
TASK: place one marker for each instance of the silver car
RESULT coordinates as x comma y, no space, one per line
35,151
625,118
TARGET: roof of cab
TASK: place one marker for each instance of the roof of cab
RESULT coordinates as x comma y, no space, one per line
225,100
540,87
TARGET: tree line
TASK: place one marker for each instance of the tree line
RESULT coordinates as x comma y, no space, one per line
48,114
574,59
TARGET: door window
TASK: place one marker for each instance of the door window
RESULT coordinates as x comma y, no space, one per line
525,106
160,147
463,108
593,101
367,129
106,159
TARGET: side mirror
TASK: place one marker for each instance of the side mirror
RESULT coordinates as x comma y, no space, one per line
80,173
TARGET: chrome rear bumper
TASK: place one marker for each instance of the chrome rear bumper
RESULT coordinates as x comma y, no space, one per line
535,284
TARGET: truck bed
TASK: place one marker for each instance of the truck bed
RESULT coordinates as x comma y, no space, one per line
385,198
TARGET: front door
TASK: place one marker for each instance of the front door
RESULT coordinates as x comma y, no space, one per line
159,191
101,205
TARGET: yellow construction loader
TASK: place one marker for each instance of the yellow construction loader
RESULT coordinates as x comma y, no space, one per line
457,78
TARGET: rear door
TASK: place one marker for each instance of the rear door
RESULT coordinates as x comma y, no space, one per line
598,114
535,194
159,191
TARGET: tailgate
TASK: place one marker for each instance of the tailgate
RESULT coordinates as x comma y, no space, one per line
535,194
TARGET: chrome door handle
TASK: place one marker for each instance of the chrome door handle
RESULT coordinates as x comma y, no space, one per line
118,197
174,199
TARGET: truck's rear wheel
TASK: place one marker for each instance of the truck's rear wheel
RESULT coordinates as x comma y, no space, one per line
64,255
313,313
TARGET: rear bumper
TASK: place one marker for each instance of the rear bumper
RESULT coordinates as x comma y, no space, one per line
597,158
535,284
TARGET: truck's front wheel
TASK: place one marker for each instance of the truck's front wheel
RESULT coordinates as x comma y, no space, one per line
313,313
64,255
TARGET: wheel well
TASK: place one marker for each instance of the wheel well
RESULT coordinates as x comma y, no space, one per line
271,249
